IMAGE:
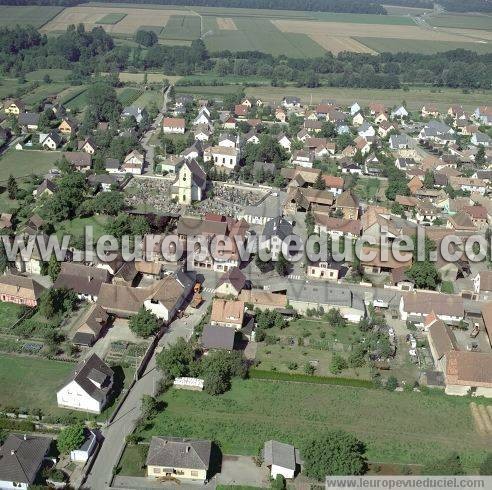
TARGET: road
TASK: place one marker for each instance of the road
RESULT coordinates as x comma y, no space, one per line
124,424
145,141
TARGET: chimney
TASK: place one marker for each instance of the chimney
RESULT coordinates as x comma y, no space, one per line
12,452
25,437
188,449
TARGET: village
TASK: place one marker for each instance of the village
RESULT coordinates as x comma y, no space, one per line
255,172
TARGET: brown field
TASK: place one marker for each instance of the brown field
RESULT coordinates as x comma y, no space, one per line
226,24
89,16
346,29
339,44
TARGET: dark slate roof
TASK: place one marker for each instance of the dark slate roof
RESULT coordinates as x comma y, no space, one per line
235,277
46,185
21,456
28,119
176,452
112,163
215,337
83,279
279,454
277,227
91,371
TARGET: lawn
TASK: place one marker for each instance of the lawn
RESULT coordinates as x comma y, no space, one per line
8,87
29,382
76,227
396,427
132,461
26,162
45,90
33,15
414,97
9,314
368,189
186,27
56,74
76,100
207,91
421,46
113,18
148,98
320,341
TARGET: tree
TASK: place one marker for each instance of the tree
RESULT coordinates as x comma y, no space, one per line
335,318
391,383
333,453
480,156
144,323
218,368
450,466
12,187
264,266
54,268
150,407
282,265
278,483
429,180
70,438
319,183
309,368
486,466
337,364
175,360
425,275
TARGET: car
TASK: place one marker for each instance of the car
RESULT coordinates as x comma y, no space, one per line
379,303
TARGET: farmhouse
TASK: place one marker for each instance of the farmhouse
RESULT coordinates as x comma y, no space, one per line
173,125
226,313
90,326
183,459
83,279
469,372
13,106
20,290
415,306
89,386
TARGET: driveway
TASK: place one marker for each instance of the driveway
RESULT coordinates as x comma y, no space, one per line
241,470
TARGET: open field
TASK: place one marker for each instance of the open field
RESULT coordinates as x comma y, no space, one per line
8,87
420,46
33,15
149,98
127,77
56,74
111,19
9,314
400,10
76,227
133,20
184,27
128,95
226,24
26,162
415,97
207,91
478,21
44,90
29,382
397,427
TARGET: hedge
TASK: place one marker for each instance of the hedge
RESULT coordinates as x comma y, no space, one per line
306,378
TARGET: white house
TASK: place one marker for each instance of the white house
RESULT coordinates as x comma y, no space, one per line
284,141
134,163
222,157
280,458
89,387
274,233
83,453
355,108
203,117
416,305
399,112
173,125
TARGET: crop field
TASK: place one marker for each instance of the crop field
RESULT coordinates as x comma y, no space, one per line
33,15
420,46
396,427
127,96
148,98
43,91
414,98
185,27
25,162
111,19
462,21
133,20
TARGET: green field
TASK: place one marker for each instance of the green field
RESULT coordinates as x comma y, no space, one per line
156,29
76,100
397,427
421,46
43,91
414,98
29,382
483,21
56,75
25,162
148,98
33,15
9,314
111,19
8,87
185,27
259,34
207,91
127,96
76,226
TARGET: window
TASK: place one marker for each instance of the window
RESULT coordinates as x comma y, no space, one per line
194,473
157,470
184,177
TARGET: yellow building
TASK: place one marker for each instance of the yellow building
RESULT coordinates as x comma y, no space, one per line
13,107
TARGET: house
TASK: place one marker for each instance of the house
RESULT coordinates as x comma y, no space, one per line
290,102
102,182
46,188
13,107
202,132
227,313
280,115
6,222
85,450
429,110
28,121
399,142
329,271
437,131
275,231
302,158
355,108
20,290
133,163
483,114
348,204
385,128
80,160
376,108
112,165
88,146
21,458
137,112
481,139
416,305
336,227
264,300
381,118
478,215
183,459
52,141
190,183
441,341
241,110
231,283
173,125
217,337
222,157
68,126
358,119
281,459
203,117
228,140
90,326
85,280
89,387
366,130
469,373
399,113
363,144
230,123
482,284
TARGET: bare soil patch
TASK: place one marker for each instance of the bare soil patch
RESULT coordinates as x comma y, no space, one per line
226,24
